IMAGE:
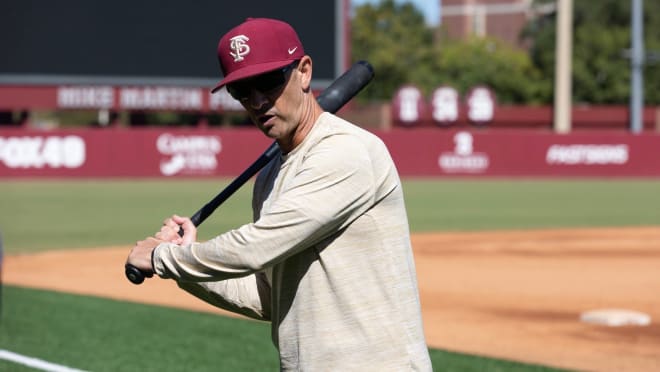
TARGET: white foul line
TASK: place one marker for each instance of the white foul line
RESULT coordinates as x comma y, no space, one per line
35,363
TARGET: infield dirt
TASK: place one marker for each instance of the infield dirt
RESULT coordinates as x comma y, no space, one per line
514,295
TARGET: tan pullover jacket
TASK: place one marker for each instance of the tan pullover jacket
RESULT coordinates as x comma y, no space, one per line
328,260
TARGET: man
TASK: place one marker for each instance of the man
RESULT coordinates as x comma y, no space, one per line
327,259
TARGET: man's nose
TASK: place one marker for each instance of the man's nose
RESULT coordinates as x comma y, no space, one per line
256,99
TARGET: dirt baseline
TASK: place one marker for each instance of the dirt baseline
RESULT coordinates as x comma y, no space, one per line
516,295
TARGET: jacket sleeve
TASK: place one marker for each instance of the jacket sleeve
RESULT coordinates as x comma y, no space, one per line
331,187
248,296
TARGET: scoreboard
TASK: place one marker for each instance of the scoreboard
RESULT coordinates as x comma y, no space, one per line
151,42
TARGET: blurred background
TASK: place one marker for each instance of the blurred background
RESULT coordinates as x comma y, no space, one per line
465,70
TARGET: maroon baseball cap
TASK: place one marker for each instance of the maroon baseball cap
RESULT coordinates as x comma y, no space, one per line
256,46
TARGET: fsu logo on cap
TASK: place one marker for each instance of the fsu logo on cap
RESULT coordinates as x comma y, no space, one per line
239,47
271,45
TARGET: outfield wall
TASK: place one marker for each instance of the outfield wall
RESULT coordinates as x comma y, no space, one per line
164,152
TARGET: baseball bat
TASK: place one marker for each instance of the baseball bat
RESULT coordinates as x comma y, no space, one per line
334,97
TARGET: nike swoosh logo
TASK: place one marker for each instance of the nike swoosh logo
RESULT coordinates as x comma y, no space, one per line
291,51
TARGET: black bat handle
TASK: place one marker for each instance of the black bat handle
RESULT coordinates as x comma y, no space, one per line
135,275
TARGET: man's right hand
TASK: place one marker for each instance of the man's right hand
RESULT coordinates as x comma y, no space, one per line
170,230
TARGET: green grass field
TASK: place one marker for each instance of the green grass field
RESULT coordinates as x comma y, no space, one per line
43,215
104,335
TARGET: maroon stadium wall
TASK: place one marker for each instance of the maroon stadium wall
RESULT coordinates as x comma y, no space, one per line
162,152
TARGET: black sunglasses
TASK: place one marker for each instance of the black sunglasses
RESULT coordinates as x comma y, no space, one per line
265,83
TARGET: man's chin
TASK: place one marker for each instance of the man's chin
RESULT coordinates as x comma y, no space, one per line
270,132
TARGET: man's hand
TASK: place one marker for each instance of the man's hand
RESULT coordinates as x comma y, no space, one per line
140,255
170,230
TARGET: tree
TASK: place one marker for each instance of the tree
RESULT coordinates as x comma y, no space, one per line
601,36
395,40
486,61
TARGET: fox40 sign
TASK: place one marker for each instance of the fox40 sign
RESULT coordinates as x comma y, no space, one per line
444,107
22,152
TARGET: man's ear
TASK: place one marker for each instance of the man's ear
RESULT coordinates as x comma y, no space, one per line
305,68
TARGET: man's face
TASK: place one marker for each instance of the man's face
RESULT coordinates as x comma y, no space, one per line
272,100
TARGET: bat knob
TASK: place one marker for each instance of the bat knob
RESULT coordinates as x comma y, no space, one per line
135,275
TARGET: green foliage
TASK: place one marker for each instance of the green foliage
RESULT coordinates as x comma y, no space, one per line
601,36
394,38
600,74
486,61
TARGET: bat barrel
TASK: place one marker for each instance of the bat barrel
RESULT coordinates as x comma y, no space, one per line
346,86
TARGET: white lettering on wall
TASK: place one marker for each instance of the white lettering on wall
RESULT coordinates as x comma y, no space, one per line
409,99
188,154
445,105
481,105
587,154
39,152
464,159
85,97
160,98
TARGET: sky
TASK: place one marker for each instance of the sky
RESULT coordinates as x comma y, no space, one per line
430,8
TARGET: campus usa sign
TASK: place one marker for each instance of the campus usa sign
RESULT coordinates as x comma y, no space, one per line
156,152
